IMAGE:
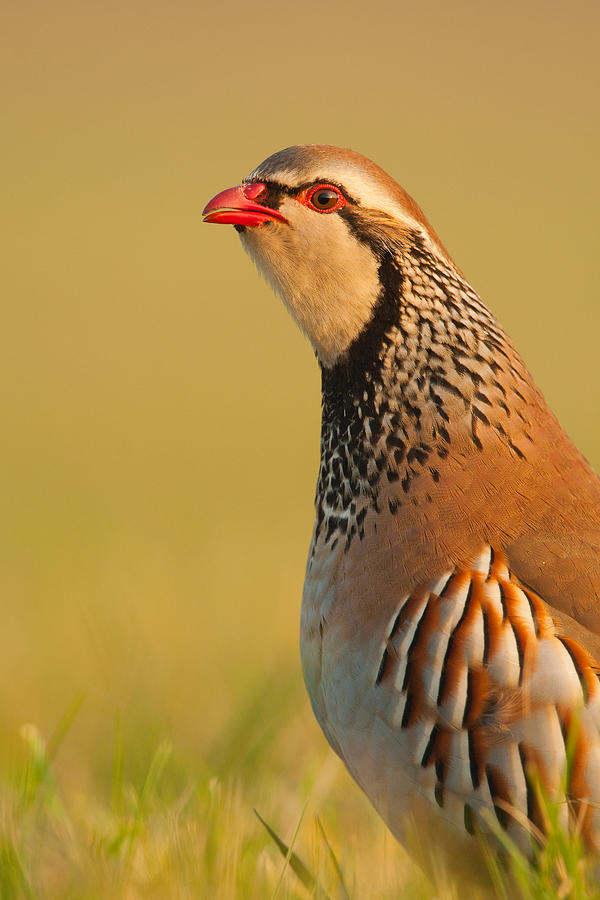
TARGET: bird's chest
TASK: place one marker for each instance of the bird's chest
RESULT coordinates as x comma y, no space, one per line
363,617
344,627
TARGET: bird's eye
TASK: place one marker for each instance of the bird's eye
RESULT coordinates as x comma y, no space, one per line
325,198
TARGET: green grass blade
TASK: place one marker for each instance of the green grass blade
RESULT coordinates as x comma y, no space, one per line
338,869
64,726
299,868
117,770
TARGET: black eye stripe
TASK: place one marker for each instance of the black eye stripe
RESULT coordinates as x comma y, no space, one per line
273,196
276,191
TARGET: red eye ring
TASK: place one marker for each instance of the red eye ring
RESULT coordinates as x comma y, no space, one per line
323,198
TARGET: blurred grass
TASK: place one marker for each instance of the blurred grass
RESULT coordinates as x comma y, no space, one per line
160,411
178,829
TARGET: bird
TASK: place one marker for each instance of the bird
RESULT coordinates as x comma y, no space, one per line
450,622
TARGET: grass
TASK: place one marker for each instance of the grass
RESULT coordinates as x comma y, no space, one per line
184,830
187,828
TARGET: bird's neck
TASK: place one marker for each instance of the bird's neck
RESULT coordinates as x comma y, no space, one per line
430,379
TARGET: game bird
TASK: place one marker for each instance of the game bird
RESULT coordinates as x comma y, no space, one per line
450,618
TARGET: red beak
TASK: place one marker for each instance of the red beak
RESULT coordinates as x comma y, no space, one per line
236,206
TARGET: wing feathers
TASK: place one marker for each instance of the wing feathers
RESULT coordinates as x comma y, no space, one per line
490,695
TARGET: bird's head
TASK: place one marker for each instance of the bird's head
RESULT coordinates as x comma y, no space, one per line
323,225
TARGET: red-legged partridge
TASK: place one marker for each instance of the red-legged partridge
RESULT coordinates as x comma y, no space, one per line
450,617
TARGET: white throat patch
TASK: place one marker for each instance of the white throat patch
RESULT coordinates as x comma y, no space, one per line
327,278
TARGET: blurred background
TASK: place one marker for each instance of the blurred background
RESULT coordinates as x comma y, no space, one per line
160,412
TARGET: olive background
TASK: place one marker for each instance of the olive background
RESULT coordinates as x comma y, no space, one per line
160,411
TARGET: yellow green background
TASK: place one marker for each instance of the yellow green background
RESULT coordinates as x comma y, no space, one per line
159,410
